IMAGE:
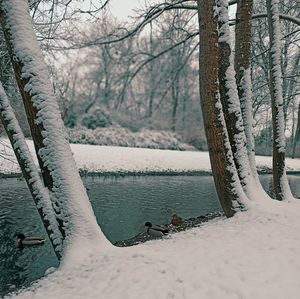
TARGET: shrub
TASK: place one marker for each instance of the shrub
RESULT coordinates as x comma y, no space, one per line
115,136
96,119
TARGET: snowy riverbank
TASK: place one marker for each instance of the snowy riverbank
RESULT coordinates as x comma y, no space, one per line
252,255
125,160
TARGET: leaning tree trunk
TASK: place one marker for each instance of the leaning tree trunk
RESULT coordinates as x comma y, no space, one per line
30,173
18,64
231,107
281,186
73,210
242,65
227,183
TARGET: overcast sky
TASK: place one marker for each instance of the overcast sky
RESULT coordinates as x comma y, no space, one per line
122,9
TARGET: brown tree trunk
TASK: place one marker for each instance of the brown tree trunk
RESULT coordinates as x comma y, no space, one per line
228,92
68,195
226,180
31,111
281,186
232,109
296,146
30,173
174,102
242,65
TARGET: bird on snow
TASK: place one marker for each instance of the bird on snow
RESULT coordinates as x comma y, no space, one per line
156,230
29,241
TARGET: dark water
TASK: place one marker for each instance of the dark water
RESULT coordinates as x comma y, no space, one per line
121,206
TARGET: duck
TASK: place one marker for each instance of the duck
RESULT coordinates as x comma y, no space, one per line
176,220
29,241
156,230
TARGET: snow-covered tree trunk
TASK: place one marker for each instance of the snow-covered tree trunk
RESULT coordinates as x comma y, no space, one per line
77,222
281,186
231,106
227,183
30,173
242,65
18,65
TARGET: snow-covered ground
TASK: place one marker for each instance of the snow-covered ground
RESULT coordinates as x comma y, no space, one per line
103,159
252,255
255,254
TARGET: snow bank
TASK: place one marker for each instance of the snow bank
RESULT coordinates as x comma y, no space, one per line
252,255
105,159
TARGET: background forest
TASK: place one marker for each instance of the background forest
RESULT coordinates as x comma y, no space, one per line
136,83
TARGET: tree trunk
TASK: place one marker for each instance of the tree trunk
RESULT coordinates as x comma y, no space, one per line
76,219
227,183
31,110
281,186
242,64
30,173
231,107
151,75
174,102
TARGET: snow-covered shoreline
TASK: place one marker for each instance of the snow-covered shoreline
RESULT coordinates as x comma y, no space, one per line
252,255
113,160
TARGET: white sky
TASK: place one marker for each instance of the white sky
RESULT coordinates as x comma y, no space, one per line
122,9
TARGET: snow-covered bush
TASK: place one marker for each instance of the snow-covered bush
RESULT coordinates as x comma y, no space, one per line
96,119
114,136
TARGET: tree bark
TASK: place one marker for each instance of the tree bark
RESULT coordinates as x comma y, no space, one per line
296,146
30,173
227,183
281,186
242,65
74,213
232,109
31,111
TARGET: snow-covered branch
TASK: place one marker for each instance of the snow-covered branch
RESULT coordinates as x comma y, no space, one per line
281,16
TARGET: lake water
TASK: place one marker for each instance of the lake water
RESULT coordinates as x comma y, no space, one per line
121,206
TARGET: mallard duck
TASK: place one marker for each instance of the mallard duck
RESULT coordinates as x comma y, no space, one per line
176,220
156,230
29,241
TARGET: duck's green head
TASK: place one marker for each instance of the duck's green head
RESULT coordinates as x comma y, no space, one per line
149,224
21,236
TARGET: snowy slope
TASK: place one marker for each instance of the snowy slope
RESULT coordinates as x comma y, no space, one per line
252,255
102,159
